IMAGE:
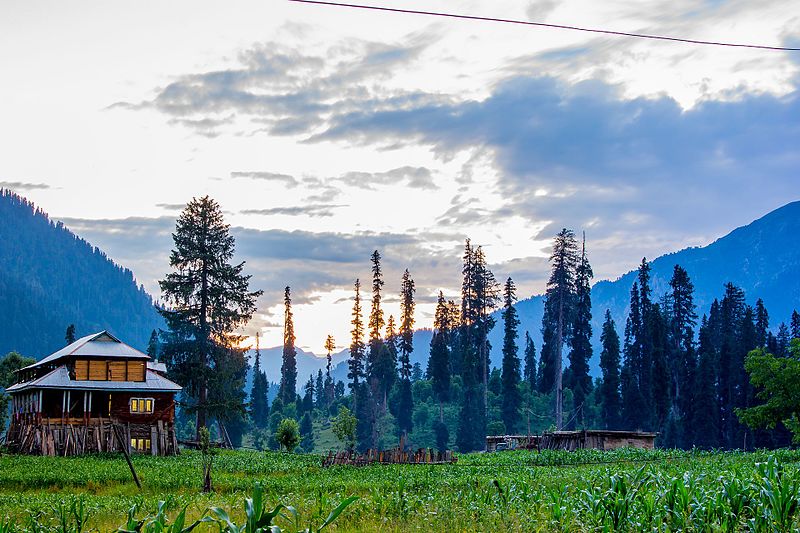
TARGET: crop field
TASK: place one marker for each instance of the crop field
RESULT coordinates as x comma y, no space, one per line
625,490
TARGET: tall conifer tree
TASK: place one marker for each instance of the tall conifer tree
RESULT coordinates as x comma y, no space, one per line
795,325
375,322
610,400
356,361
405,408
557,321
471,418
762,323
288,388
581,337
683,359
530,363
511,399
259,406
330,346
207,299
439,362
633,412
705,409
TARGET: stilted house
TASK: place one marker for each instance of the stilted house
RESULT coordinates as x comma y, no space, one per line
95,395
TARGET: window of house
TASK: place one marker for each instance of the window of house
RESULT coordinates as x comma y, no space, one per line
142,405
140,445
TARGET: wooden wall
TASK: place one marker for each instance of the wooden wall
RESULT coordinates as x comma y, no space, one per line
112,370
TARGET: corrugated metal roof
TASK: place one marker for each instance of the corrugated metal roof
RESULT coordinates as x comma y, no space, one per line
102,344
155,366
59,379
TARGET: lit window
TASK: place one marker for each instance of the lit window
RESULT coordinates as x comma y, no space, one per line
142,405
140,445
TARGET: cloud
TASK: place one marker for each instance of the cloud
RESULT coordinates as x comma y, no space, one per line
538,10
282,91
310,210
171,207
414,177
23,186
290,181
642,176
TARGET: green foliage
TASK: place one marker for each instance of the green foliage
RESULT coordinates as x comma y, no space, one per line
288,434
207,299
776,379
344,427
10,363
586,490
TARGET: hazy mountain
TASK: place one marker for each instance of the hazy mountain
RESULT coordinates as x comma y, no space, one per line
51,278
763,258
307,364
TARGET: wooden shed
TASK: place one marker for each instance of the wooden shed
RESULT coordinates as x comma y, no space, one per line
598,439
94,395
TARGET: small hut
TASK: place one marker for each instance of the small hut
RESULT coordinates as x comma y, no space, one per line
95,395
598,439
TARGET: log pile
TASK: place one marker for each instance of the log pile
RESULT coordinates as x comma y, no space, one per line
427,456
97,436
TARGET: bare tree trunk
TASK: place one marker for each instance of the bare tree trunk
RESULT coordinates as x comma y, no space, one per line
559,384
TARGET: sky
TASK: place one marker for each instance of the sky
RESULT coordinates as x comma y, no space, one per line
326,133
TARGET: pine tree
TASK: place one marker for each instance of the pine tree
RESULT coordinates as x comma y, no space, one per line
439,362
356,361
581,337
471,419
511,399
307,433
795,325
375,324
487,295
633,411
705,409
308,397
468,356
644,346
153,346
406,346
319,391
259,407
610,400
762,323
530,362
732,312
69,336
660,392
557,321
330,345
362,407
386,370
783,339
288,389
683,363
207,299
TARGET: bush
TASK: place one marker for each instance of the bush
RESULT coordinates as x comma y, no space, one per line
288,434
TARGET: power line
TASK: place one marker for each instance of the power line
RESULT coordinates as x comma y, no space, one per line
546,25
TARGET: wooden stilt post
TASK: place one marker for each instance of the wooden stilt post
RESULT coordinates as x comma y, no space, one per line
127,455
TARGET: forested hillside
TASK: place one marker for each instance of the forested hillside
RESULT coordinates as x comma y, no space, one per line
51,278
762,258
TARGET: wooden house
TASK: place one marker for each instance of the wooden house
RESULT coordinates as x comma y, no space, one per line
94,395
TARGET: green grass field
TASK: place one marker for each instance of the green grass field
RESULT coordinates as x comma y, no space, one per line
625,490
